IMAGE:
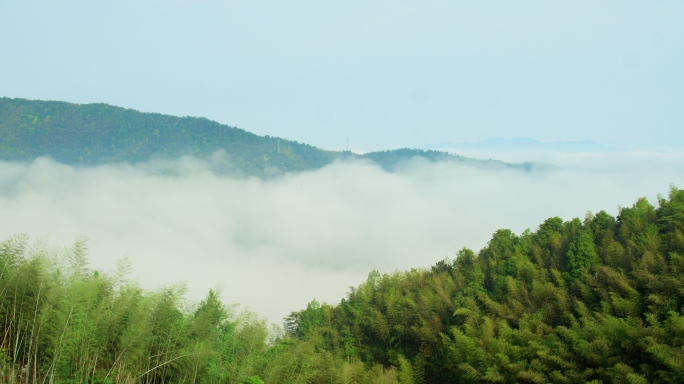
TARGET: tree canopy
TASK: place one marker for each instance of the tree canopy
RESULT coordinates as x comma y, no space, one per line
599,300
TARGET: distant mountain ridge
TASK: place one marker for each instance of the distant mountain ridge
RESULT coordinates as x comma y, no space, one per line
523,144
91,134
100,133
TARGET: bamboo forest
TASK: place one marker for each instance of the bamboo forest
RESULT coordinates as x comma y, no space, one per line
598,300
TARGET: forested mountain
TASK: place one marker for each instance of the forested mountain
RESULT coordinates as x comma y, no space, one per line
88,134
101,133
599,300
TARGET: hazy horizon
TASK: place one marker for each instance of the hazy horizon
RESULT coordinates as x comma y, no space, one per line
481,149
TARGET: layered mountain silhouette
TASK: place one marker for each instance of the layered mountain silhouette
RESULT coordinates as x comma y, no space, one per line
523,145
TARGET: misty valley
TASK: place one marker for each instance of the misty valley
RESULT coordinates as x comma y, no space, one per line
148,248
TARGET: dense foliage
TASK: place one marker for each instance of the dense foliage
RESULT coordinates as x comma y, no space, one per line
64,323
86,134
599,301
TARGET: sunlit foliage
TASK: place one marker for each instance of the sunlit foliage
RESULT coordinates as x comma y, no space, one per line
599,300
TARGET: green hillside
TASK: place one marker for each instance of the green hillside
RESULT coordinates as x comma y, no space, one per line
593,301
599,300
101,133
91,134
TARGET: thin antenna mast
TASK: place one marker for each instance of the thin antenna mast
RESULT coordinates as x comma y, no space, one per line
347,143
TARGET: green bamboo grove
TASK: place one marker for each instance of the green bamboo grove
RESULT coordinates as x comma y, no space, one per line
598,300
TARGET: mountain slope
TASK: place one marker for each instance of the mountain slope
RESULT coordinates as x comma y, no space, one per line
101,133
599,301
393,159
91,134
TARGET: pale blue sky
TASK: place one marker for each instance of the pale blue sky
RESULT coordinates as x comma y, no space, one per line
385,73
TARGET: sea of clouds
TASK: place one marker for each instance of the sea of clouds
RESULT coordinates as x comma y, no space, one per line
273,245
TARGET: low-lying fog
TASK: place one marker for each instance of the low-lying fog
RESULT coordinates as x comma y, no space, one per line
273,245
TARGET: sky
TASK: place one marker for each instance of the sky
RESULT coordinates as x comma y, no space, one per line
274,245
385,74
